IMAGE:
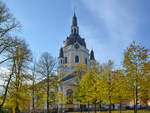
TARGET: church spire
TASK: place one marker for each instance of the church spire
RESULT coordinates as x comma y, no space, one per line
74,19
74,26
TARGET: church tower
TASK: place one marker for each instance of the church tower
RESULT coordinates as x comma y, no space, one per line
73,52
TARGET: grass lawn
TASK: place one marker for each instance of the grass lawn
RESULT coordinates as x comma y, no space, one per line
130,111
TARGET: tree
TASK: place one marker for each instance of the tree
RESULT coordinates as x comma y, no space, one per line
135,57
7,86
34,86
80,70
123,92
8,24
46,66
39,95
18,88
107,84
144,93
86,90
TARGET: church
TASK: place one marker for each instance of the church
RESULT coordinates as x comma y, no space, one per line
73,52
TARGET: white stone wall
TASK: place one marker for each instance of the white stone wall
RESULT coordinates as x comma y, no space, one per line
82,51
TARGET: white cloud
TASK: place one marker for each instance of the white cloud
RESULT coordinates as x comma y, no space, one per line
3,72
103,52
117,16
119,23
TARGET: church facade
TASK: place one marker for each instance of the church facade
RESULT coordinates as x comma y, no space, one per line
73,53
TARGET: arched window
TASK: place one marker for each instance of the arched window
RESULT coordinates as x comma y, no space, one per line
69,95
65,60
69,92
76,59
74,31
61,61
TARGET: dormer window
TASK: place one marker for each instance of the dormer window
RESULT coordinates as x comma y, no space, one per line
76,45
76,59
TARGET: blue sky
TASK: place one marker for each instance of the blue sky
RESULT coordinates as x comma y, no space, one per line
108,26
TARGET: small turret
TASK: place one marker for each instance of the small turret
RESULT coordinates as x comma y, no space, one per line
92,58
61,53
61,57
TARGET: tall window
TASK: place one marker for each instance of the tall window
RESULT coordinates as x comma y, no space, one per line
65,60
74,31
85,60
76,59
61,61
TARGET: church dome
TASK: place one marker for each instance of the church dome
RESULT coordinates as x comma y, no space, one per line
72,39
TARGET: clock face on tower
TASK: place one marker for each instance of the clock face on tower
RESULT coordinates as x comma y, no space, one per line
76,45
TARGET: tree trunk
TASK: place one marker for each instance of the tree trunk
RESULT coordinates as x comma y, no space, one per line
147,104
120,106
7,86
17,109
136,100
0,109
88,108
33,98
95,107
100,106
33,89
109,108
61,108
47,93
81,108
113,106
109,104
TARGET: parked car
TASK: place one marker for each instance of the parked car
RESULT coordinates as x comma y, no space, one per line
68,110
104,107
129,107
